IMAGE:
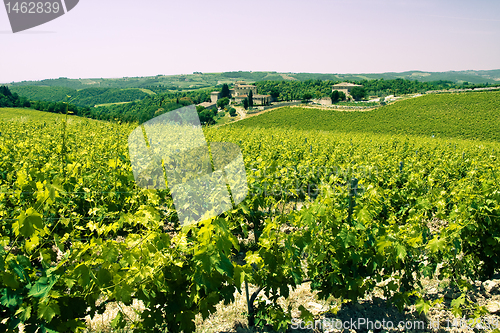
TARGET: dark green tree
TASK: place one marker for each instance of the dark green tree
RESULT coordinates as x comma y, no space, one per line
250,99
342,96
335,96
222,102
275,93
206,117
245,103
358,93
225,91
307,96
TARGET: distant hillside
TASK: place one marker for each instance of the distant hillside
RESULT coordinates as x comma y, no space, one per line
162,83
83,97
474,115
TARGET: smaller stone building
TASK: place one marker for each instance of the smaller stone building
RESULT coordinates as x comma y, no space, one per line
208,105
345,87
323,101
214,96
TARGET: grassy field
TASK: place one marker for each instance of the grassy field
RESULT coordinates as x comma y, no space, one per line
28,115
465,116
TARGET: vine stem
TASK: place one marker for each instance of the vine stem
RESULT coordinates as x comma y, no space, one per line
251,316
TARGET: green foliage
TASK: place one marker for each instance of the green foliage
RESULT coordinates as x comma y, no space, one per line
224,91
149,107
207,117
295,90
342,96
335,96
245,103
358,93
49,94
9,99
222,102
84,97
250,99
306,96
232,112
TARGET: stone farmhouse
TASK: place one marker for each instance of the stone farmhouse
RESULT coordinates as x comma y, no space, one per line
241,91
345,87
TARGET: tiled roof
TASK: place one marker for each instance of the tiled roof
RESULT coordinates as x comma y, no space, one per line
346,84
207,104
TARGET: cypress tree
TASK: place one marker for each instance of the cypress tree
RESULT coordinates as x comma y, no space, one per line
225,91
250,99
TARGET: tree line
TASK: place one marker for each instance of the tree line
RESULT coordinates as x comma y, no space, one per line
304,90
83,97
150,107
137,111
9,99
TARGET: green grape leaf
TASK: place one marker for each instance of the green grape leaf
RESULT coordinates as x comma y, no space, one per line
10,280
24,313
9,298
422,306
437,244
306,315
47,311
28,223
118,321
42,287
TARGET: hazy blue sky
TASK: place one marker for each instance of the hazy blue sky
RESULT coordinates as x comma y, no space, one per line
111,38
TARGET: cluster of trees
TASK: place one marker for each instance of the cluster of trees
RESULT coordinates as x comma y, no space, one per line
9,99
358,93
153,106
83,97
60,107
295,90
206,115
37,93
140,111
222,102
95,96
337,96
305,90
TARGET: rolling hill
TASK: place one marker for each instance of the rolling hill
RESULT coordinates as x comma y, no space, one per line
203,80
474,115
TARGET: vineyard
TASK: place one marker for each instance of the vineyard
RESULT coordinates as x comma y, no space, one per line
464,116
347,213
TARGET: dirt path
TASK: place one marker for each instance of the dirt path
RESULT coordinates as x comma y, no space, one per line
241,112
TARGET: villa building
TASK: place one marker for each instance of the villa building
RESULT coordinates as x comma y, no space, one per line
240,92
